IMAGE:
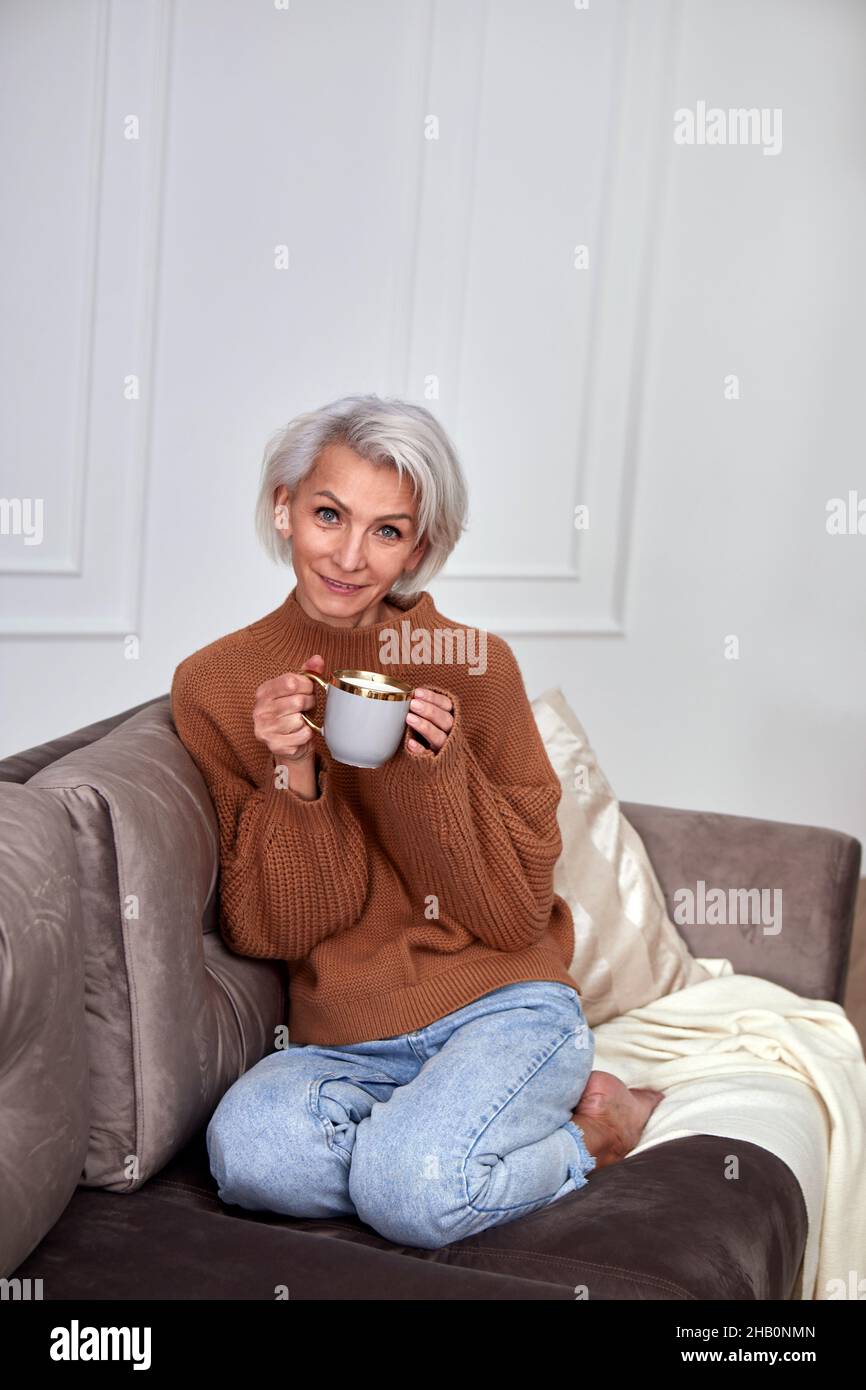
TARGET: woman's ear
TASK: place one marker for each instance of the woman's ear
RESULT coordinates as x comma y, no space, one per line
282,514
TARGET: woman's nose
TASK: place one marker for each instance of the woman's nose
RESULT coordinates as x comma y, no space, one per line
349,556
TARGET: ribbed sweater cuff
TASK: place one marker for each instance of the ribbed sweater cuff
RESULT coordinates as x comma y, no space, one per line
425,764
282,806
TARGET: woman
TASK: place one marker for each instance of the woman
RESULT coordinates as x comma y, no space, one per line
438,1075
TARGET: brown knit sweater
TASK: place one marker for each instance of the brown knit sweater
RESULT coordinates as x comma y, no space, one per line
402,892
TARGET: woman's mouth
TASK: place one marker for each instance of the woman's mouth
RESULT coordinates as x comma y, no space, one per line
336,588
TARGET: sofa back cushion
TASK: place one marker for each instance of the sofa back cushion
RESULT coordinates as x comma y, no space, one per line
173,1017
627,951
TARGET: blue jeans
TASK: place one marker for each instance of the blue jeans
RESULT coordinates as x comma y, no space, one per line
429,1136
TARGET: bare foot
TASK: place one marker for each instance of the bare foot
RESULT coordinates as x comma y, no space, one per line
612,1116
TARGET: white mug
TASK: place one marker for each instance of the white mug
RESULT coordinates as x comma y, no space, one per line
365,715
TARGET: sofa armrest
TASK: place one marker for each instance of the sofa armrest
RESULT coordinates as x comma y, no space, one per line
44,1079
797,933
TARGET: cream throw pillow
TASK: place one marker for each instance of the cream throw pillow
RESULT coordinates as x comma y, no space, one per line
627,951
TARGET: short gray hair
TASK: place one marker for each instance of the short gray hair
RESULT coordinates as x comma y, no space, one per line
383,431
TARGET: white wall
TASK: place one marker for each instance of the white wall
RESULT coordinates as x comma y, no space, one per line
451,260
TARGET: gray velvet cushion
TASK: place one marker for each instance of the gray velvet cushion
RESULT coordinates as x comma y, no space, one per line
173,1017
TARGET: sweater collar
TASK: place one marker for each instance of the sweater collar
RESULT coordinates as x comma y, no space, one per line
291,635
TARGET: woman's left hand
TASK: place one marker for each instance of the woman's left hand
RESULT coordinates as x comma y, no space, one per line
432,715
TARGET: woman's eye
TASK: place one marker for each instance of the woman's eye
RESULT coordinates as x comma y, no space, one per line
398,534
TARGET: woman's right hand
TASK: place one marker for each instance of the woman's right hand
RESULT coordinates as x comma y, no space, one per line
277,721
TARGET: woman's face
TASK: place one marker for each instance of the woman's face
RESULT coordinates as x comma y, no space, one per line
349,521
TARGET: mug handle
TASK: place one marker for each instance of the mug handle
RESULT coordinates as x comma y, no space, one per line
324,684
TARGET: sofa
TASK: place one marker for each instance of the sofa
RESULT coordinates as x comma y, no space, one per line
125,1018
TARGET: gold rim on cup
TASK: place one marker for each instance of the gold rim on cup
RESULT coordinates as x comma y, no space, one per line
343,680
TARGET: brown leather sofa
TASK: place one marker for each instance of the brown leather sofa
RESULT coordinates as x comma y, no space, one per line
125,1018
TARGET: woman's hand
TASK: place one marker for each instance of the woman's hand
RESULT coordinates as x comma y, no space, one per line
431,715
277,720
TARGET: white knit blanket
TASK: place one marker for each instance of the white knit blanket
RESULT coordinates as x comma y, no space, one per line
745,1059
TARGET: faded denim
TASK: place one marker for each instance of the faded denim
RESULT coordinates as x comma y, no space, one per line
429,1136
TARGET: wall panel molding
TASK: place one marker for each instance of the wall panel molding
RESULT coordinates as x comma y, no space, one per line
95,590
587,596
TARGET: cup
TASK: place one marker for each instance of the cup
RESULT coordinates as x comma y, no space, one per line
365,715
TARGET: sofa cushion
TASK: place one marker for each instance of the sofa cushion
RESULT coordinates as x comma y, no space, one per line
663,1225
815,870
627,951
43,1079
173,1017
